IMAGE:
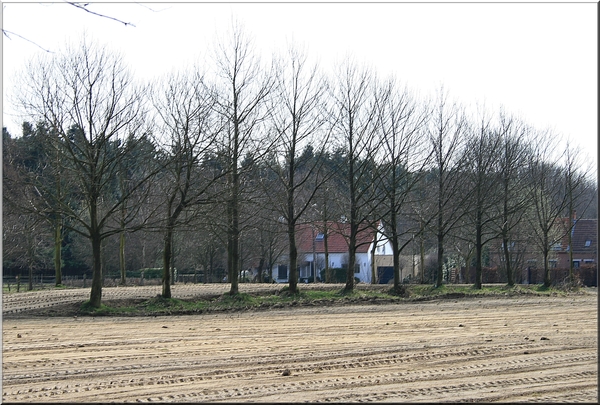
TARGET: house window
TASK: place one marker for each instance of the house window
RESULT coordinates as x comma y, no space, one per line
305,270
556,246
588,260
512,245
588,243
320,236
576,263
357,268
553,263
282,271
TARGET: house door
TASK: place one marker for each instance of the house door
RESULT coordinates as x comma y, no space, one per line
385,274
531,275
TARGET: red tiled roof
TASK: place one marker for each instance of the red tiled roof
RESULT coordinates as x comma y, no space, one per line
584,230
337,238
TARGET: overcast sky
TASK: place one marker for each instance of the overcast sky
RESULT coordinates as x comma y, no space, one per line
537,60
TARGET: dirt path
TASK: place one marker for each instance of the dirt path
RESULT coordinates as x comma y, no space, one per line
520,349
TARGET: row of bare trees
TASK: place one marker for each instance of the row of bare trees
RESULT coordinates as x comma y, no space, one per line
236,153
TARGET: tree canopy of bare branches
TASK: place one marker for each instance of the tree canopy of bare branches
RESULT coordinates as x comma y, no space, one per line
89,101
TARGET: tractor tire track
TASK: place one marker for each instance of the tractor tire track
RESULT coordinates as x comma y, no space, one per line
491,350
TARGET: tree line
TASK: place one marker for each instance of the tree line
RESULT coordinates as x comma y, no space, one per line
214,166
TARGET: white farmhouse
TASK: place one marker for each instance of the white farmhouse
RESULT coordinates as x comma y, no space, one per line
312,239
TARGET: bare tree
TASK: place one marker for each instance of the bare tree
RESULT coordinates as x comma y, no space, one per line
514,202
356,124
446,135
548,197
327,209
299,119
130,170
35,180
88,99
241,101
185,107
481,156
24,236
577,186
403,160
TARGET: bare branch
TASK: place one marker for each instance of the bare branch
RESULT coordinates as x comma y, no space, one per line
83,7
5,32
151,9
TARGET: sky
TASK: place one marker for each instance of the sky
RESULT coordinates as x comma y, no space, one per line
536,60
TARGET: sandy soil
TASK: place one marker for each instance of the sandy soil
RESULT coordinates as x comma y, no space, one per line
521,349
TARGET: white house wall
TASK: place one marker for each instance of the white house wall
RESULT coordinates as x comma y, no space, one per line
364,261
336,260
384,246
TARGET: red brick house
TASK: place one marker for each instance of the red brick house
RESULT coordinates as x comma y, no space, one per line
584,241
528,260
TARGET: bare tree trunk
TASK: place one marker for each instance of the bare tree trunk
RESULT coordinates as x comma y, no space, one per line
570,244
328,275
373,264
422,250
234,238
468,268
293,273
291,217
510,279
440,264
547,279
353,230
30,269
57,252
96,292
505,240
122,258
167,251
261,264
351,259
478,250
172,267
395,249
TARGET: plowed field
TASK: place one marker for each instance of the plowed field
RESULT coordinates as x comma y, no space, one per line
518,349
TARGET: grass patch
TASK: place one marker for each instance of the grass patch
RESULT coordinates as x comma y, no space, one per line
319,297
168,306
463,291
87,309
236,301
